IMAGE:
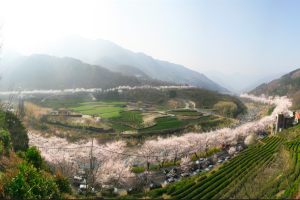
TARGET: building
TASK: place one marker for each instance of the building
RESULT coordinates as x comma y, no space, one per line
284,121
297,117
63,111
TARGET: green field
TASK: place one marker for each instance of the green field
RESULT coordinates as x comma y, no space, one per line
166,123
102,110
83,108
110,115
129,118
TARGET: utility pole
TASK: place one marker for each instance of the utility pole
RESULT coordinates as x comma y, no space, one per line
91,154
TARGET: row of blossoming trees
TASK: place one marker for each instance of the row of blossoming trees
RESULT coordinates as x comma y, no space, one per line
113,163
93,90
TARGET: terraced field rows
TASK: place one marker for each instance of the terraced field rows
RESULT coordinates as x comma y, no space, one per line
232,175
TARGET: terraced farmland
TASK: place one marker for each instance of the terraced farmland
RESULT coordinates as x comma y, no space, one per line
230,177
130,118
166,123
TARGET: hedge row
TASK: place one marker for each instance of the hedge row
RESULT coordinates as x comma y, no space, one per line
297,170
215,177
292,162
183,189
264,139
272,142
181,195
216,188
235,186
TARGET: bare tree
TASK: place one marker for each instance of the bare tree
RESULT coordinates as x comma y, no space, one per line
21,109
88,121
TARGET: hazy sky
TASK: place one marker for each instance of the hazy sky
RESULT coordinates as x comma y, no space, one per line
250,37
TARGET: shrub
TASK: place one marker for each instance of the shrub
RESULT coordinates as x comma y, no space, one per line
5,138
1,148
21,154
34,157
18,133
63,183
24,182
128,143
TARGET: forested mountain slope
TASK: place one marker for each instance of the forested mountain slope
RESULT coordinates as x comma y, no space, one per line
287,85
93,52
49,72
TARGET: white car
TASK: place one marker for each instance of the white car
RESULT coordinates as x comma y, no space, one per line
201,160
206,169
197,171
227,158
220,161
185,175
170,180
210,166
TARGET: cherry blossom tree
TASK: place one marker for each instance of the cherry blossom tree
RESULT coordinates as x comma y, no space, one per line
148,151
185,164
231,150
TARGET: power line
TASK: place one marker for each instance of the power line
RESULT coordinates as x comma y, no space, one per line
190,151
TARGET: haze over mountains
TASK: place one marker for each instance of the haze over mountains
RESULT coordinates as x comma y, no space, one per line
46,72
239,83
109,55
117,59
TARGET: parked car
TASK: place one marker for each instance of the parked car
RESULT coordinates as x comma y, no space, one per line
109,190
207,162
184,175
194,167
82,189
210,166
169,169
207,168
170,180
227,158
134,190
220,161
197,171
200,161
154,186
167,176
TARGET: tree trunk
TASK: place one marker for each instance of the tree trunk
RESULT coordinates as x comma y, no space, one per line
162,164
148,164
196,155
175,160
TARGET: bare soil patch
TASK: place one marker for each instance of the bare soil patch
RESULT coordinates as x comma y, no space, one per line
174,103
181,117
149,118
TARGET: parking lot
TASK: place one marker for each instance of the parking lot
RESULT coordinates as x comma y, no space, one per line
159,176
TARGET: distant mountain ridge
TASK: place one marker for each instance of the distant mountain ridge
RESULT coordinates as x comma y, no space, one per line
287,85
239,83
49,72
94,52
